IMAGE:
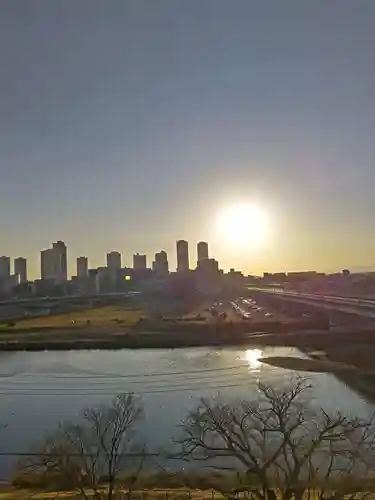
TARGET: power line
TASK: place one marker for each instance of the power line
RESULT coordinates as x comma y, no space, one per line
132,375
220,377
111,393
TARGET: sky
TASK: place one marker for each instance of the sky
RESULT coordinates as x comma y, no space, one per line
128,124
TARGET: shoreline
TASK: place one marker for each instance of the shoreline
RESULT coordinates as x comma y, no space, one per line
106,338
353,379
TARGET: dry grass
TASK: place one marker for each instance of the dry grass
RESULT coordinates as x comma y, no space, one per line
98,317
151,494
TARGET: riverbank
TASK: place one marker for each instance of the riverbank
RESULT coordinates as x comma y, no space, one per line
114,327
358,376
360,357
120,337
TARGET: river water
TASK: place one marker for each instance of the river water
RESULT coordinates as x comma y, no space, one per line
39,389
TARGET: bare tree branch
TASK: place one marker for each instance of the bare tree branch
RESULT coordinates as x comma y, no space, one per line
93,454
280,440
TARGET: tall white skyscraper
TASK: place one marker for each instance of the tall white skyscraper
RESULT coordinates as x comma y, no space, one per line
47,264
139,262
20,269
61,260
182,256
202,251
4,266
161,266
53,262
82,267
114,260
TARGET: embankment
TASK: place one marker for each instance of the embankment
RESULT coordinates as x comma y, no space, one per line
199,335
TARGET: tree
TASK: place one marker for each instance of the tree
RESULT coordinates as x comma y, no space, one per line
94,453
280,443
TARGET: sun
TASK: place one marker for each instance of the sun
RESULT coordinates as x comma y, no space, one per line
244,224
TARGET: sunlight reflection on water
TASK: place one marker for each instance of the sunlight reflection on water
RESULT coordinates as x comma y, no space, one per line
252,356
39,389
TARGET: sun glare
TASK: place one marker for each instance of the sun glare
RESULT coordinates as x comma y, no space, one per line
244,224
252,357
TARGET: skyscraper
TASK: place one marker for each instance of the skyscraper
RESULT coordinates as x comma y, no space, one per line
47,264
60,261
182,256
114,260
202,251
20,269
4,266
82,267
161,266
53,262
139,262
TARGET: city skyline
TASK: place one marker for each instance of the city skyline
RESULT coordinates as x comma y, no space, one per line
125,127
53,261
78,265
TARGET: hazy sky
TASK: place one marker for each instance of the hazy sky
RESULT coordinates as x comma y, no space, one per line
127,124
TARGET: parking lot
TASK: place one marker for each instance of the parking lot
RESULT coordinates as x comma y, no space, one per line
245,309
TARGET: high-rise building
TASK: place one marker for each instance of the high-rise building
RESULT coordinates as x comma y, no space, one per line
4,266
54,262
139,262
47,264
182,256
202,251
60,260
160,264
114,260
82,267
208,277
20,269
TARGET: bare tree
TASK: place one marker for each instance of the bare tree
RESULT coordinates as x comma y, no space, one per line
94,453
279,443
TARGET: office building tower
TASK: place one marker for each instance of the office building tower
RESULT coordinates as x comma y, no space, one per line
182,256
4,266
139,262
82,267
20,269
47,264
202,252
60,261
160,264
114,260
54,262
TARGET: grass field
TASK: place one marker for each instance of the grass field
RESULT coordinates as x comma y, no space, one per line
97,317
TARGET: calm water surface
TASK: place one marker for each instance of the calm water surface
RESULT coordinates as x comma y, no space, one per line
37,390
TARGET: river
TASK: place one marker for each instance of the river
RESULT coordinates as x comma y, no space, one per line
39,389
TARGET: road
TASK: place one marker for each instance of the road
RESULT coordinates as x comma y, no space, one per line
360,307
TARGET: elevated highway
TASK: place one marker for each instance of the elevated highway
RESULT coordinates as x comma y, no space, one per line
348,305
